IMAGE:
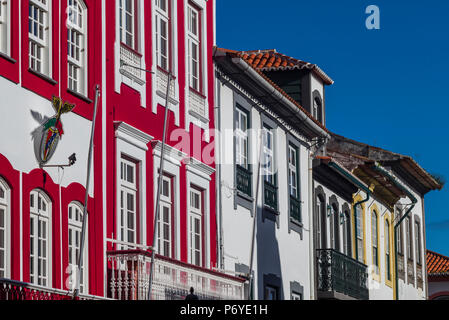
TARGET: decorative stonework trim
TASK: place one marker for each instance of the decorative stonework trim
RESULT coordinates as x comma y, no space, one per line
203,168
174,155
132,135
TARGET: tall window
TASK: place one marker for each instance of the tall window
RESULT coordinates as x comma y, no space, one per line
40,231
39,36
321,222
359,234
409,237
271,293
4,227
241,133
4,26
388,249
75,229
128,201
76,46
195,227
400,239
162,27
164,234
335,222
268,152
418,243
375,240
293,177
194,46
347,244
128,23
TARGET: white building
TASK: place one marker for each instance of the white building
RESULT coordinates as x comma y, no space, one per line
248,101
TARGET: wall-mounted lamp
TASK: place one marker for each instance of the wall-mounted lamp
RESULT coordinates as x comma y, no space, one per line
72,160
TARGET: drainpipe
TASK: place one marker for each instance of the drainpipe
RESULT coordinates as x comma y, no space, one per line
378,167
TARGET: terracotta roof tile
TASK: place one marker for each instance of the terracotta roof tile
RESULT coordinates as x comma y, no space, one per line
271,60
248,55
437,264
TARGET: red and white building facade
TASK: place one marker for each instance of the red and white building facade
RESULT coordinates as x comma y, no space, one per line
128,48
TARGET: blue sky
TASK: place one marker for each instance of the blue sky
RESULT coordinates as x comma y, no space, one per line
391,85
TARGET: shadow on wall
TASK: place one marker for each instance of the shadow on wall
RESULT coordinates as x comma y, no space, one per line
268,257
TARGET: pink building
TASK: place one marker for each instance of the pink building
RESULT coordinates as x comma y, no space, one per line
65,49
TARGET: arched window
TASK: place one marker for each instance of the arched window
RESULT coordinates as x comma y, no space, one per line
321,222
40,238
375,240
5,206
388,250
347,243
77,46
317,108
359,234
335,227
76,212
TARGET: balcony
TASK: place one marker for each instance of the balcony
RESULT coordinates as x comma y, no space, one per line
129,273
19,291
132,61
197,105
244,180
271,196
341,277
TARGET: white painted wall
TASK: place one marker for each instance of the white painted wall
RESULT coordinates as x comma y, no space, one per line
277,251
17,124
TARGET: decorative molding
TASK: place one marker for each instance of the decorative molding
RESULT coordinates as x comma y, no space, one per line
132,135
171,154
204,170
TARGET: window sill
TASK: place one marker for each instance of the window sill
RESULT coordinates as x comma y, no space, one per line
131,49
199,117
6,57
271,210
79,96
297,223
43,76
198,93
245,196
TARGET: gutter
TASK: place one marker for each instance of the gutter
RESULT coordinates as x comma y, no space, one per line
249,71
377,167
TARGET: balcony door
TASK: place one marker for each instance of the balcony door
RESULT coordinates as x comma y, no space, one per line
320,218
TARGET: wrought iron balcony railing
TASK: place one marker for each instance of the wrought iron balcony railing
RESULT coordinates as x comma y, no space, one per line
244,180
271,196
338,273
295,209
20,291
129,271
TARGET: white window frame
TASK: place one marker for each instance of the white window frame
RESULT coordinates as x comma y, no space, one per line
163,17
127,189
133,78
172,168
123,28
5,205
241,136
268,155
132,143
359,235
196,216
164,236
375,240
159,94
194,39
418,251
293,177
75,225
5,27
409,238
77,69
45,44
199,179
388,250
190,116
40,216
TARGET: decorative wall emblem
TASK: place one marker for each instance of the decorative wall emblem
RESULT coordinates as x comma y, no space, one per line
49,134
